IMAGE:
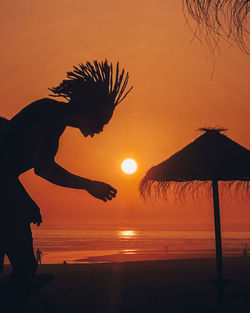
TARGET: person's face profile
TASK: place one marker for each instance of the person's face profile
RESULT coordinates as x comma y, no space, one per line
90,129
91,125
91,114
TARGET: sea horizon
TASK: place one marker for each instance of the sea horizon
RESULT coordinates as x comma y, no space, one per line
88,243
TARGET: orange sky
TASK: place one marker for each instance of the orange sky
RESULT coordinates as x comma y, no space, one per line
173,95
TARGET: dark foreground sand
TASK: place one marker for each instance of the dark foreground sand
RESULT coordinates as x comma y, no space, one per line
150,286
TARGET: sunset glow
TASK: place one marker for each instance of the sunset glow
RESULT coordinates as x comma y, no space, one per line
129,166
173,95
125,173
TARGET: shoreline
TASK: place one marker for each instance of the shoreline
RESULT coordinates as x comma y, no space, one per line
152,256
124,256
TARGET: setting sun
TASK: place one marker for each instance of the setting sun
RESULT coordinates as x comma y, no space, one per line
129,166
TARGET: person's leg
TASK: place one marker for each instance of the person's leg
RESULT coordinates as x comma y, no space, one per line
1,261
21,255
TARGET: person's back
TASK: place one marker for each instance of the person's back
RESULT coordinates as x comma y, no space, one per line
27,135
24,141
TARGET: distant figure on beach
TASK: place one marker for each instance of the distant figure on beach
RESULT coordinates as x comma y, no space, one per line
39,255
245,250
30,140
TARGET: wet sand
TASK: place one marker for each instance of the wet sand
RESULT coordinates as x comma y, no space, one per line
126,256
146,286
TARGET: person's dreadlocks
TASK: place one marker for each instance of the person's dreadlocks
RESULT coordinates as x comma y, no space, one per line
96,82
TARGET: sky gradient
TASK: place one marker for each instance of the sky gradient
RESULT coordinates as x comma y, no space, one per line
173,96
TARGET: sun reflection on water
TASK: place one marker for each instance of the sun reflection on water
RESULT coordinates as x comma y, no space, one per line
127,233
129,251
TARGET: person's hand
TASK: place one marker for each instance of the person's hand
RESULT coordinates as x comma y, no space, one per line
101,190
35,216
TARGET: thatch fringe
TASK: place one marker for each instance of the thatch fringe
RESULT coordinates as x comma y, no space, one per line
218,19
197,189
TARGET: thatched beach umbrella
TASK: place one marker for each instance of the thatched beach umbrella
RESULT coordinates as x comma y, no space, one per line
210,158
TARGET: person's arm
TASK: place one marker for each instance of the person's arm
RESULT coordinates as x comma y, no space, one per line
57,175
27,204
46,167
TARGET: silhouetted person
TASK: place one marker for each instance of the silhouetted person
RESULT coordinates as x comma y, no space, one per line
30,141
39,255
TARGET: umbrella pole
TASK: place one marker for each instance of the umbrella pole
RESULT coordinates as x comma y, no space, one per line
220,283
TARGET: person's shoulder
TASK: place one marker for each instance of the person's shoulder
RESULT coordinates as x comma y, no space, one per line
41,108
4,126
44,104
3,122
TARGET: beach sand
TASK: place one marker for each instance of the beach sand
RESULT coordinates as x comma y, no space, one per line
144,286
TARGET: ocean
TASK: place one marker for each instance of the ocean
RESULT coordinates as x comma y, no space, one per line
91,243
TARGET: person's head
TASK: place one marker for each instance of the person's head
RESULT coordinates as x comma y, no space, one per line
93,91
